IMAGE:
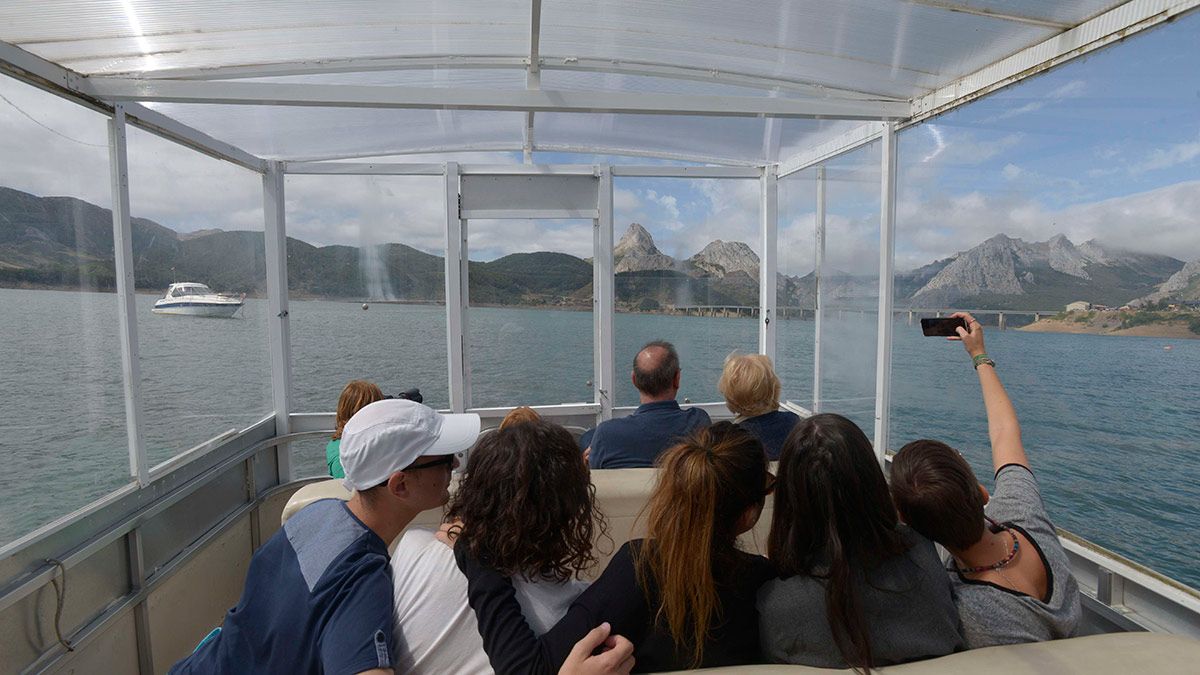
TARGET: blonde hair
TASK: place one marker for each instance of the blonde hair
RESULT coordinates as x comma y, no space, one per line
519,415
357,395
749,384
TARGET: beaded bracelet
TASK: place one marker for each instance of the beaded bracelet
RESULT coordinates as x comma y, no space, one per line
981,359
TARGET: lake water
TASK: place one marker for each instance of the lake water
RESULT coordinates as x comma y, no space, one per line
1111,424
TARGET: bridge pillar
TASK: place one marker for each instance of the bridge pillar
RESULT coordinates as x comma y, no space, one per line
1001,320
910,317
1036,317
939,315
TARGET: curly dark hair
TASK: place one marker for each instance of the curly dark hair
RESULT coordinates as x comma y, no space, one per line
527,503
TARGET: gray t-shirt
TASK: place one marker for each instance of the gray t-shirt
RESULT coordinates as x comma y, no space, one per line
906,602
993,615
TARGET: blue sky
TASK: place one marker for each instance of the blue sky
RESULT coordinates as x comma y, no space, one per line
1105,147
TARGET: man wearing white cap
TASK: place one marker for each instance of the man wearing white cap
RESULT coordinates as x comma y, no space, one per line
318,595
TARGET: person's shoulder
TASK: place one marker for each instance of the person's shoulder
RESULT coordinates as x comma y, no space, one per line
698,414
418,543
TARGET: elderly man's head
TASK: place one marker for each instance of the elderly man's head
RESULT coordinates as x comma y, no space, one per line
656,370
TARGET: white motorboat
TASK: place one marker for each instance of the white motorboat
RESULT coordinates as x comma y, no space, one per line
192,299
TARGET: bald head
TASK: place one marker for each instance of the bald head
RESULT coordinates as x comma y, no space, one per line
656,371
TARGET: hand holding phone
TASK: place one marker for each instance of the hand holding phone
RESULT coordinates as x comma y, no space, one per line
943,327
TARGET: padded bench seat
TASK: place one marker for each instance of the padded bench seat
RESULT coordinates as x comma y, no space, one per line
622,493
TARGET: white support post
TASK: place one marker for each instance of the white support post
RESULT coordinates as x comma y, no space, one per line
456,315
604,297
278,322
768,210
818,301
887,265
131,371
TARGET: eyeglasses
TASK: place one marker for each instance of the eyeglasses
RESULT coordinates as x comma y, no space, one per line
448,460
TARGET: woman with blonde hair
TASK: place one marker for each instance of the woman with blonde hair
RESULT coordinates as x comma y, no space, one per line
684,595
751,390
355,396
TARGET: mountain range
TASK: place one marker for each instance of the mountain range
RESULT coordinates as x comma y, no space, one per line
67,242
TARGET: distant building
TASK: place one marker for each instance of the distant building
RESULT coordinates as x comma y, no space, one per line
1101,308
1079,306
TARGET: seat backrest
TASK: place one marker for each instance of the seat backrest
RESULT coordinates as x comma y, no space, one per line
621,495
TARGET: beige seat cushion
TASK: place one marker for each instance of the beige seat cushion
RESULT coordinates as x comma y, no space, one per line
620,494
1114,653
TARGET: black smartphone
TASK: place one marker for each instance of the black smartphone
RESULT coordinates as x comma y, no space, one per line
943,327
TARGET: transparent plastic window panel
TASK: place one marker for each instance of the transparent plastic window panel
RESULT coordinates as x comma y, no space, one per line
63,398
686,262
366,281
206,371
530,322
1080,186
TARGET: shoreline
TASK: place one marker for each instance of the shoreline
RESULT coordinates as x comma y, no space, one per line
1174,329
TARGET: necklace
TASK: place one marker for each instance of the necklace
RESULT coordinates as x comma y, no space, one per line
1016,546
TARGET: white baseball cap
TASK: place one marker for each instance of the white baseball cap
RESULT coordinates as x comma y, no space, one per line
389,435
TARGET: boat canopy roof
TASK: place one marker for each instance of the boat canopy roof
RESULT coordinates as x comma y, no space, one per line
704,81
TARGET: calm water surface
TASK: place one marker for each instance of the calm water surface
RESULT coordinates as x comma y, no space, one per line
1111,424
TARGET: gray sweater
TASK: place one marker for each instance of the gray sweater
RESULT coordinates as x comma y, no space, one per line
906,602
993,615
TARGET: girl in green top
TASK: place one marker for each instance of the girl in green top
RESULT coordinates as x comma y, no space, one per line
356,395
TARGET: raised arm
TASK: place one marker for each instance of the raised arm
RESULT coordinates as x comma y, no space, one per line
1003,428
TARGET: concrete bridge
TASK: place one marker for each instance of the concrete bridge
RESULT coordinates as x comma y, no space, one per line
910,313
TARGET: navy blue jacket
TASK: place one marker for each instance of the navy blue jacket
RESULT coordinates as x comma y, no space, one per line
638,440
772,429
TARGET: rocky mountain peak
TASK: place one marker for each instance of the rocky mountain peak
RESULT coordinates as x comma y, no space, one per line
720,258
636,241
636,252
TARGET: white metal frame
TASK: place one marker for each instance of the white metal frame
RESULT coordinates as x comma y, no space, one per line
887,268
818,300
278,321
456,300
768,211
131,369
604,299
462,98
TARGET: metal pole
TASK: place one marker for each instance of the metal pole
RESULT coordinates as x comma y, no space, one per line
768,210
278,323
887,265
131,371
455,311
819,304
604,299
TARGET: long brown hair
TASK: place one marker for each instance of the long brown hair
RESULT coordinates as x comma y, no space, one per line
832,508
357,395
704,486
528,504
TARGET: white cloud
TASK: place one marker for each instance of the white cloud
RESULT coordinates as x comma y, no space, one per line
1159,221
1165,158
667,202
938,141
1070,90
1011,171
